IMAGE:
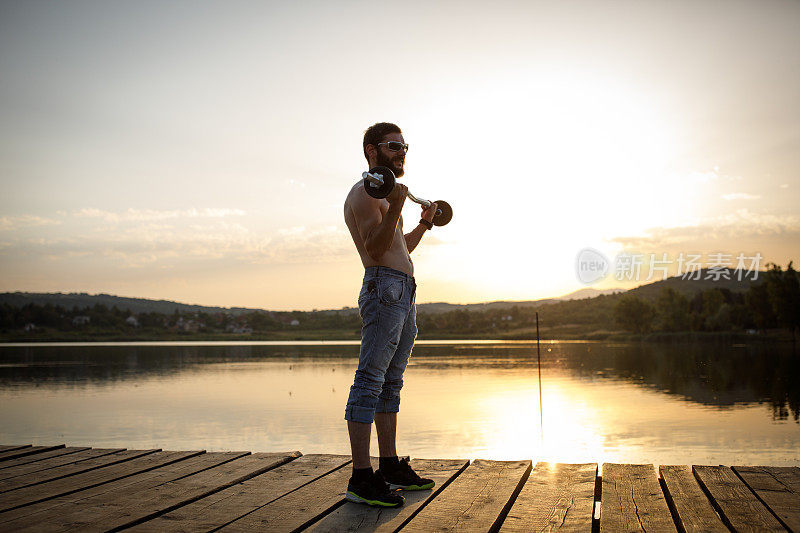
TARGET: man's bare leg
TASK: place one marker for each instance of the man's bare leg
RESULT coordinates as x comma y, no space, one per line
359,443
386,425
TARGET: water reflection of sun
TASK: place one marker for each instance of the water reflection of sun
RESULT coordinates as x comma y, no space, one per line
567,431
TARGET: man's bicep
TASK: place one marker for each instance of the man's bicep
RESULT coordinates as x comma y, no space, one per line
368,216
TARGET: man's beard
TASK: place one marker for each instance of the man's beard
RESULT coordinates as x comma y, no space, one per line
384,161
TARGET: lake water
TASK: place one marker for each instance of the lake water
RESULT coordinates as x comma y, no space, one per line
601,402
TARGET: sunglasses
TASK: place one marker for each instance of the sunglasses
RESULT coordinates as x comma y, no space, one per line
395,146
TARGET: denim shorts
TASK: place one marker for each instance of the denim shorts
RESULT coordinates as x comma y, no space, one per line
388,329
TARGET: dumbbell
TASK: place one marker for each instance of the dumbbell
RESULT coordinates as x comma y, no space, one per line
379,182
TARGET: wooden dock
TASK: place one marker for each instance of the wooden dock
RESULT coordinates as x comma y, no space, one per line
59,488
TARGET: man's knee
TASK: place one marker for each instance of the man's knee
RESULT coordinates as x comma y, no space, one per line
368,382
391,388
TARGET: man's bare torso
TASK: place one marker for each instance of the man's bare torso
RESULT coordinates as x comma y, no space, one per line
397,256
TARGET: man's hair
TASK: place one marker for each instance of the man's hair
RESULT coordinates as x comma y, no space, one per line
377,132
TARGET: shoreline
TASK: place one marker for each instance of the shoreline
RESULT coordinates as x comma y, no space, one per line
339,337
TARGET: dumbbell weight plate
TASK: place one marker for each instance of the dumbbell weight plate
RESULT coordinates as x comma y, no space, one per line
388,182
443,213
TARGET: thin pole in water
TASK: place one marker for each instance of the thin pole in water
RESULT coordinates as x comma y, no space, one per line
539,361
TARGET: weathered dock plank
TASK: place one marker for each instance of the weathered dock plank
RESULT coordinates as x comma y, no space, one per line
138,498
475,500
9,447
69,469
122,487
632,500
352,517
299,507
778,488
54,462
691,509
232,503
556,497
29,450
63,486
73,510
40,456
735,502
55,488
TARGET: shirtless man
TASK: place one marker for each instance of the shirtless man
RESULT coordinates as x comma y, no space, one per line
388,314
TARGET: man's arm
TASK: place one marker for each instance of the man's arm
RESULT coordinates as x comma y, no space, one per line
413,238
376,230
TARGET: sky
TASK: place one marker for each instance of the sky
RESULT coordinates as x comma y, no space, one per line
201,151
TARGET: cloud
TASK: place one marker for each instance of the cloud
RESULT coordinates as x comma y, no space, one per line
738,225
740,196
15,223
132,237
152,240
139,215
706,176
301,245
20,222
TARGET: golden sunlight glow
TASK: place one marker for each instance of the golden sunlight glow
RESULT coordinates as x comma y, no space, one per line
570,429
561,161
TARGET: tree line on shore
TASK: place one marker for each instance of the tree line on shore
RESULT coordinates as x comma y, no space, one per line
772,303
99,319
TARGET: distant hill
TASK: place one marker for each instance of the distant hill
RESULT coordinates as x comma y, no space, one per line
582,294
688,287
134,305
144,305
650,291
442,307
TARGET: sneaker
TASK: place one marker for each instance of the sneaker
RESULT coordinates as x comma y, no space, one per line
375,492
405,478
